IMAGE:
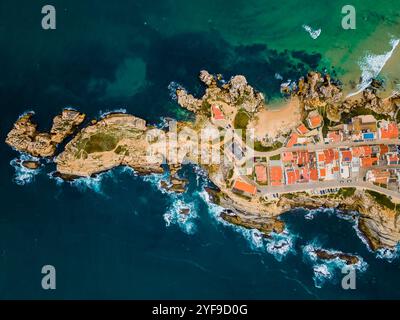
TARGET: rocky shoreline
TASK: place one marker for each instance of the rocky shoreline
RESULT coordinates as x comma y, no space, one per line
123,140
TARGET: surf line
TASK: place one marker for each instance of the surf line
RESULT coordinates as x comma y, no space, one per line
371,65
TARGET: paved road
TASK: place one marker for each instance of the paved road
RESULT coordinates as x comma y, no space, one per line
315,147
355,182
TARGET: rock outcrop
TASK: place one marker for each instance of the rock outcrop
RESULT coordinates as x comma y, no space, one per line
236,92
24,136
117,139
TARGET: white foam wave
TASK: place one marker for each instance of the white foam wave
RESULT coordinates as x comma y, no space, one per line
328,269
313,33
22,174
371,65
103,114
388,254
174,215
279,245
172,87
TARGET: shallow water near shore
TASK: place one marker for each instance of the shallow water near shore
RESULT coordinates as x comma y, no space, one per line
119,236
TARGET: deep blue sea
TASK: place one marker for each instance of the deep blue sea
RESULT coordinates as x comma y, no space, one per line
119,235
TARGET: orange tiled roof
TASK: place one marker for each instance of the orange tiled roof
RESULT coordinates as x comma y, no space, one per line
291,178
367,151
346,155
383,148
368,161
287,156
321,156
322,172
293,140
245,187
315,121
314,174
391,132
329,155
217,113
302,129
334,136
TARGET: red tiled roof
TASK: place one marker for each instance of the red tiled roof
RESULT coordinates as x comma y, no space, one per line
321,156
302,157
329,155
391,132
287,156
217,113
334,136
315,121
291,178
357,152
314,174
368,161
346,155
293,140
383,148
302,129
367,151
245,187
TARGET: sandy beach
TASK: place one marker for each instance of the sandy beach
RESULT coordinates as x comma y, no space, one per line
280,118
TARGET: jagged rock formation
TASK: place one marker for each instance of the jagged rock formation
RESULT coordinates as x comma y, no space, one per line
24,136
236,92
319,91
332,255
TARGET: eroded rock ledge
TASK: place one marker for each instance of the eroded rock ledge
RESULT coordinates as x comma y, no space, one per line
24,136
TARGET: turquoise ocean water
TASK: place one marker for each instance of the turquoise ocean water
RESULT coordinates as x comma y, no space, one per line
119,236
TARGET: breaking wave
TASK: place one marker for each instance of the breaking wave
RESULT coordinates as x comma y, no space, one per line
313,33
278,245
175,215
103,114
371,65
328,270
22,174
172,87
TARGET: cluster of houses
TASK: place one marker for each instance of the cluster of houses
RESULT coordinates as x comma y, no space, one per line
332,163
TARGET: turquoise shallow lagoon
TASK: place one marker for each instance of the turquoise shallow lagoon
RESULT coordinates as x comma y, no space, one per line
119,236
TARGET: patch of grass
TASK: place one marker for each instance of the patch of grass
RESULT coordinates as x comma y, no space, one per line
122,150
206,108
259,147
241,120
359,111
382,199
101,142
346,192
276,157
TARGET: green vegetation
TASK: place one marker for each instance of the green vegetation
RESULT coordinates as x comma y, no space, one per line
359,111
206,108
241,120
259,147
382,199
122,150
276,157
101,142
346,192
